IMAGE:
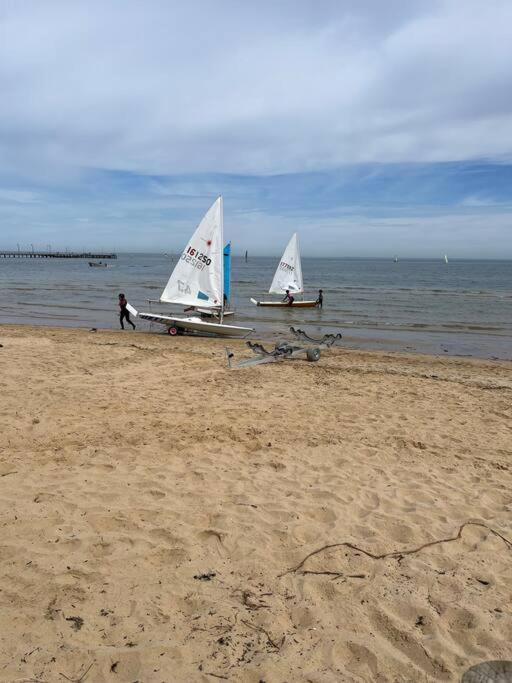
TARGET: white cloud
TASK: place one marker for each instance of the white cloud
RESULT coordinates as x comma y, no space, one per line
9,196
479,200
159,87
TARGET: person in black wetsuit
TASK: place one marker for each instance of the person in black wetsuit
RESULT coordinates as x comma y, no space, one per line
124,313
288,298
320,300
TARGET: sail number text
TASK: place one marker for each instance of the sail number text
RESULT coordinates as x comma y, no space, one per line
195,258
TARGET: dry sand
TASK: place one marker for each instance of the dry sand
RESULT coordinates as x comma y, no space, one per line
131,464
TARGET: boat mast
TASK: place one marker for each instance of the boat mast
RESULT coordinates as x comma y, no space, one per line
222,258
299,260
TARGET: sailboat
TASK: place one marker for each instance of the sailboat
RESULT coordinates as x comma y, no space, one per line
288,276
445,258
197,281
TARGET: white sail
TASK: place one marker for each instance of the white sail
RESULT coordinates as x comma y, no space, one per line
198,278
289,271
445,258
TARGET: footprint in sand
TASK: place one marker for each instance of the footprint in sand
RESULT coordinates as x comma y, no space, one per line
157,494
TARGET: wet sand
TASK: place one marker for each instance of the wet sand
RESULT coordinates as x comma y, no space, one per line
157,510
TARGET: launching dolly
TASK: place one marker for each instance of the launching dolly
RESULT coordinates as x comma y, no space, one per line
286,350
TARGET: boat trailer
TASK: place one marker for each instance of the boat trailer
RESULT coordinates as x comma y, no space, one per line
285,350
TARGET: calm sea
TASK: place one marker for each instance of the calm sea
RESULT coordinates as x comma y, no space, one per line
463,308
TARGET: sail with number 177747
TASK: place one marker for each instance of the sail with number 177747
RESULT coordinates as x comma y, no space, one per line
288,278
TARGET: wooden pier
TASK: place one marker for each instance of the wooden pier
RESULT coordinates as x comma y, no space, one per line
55,254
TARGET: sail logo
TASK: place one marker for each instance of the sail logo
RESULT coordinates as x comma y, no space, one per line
183,287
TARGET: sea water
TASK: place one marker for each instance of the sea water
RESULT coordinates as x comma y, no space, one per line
463,307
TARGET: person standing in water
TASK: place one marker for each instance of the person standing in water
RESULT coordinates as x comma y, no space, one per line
288,298
320,300
124,313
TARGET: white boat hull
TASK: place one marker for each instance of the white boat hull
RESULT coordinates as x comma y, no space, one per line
283,304
194,324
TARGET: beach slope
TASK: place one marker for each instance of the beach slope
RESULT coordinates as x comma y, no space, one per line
161,515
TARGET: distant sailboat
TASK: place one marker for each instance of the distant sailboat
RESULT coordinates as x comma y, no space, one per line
445,258
288,277
246,255
395,260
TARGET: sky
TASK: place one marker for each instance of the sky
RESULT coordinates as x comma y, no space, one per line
372,128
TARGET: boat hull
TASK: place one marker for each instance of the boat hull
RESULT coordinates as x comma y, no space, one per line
208,313
194,324
283,304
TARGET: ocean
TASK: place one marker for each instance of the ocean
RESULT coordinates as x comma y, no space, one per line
460,308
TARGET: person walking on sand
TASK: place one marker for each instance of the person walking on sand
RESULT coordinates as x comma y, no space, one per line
288,298
124,313
320,300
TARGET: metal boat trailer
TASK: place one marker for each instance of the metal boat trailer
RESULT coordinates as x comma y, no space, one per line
285,350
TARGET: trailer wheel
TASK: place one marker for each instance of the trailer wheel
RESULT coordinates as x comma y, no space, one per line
173,331
313,355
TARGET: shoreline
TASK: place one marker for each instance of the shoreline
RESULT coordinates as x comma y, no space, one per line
424,308
436,343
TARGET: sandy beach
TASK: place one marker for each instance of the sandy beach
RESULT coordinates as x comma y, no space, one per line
158,511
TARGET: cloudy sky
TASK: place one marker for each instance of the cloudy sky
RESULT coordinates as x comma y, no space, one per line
372,127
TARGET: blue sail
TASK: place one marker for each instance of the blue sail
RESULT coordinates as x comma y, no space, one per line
227,271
